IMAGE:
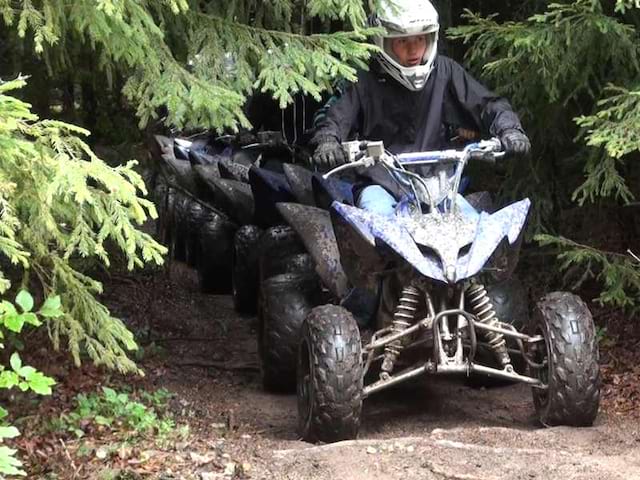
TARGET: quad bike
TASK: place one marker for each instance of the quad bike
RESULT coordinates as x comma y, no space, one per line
217,211
201,187
434,316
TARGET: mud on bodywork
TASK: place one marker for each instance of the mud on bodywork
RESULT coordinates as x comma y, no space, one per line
444,236
235,198
299,179
314,227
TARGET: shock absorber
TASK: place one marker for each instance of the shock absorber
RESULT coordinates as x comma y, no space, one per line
483,308
403,317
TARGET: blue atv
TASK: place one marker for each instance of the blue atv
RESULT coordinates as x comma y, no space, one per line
433,314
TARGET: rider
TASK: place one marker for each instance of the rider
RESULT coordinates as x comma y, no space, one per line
408,99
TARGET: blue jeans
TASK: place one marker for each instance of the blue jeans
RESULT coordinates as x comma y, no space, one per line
376,199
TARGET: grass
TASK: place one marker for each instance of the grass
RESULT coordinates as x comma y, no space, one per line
122,414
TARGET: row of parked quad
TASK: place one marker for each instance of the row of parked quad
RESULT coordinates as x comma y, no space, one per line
218,212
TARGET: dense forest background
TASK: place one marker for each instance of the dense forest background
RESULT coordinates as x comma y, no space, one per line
123,69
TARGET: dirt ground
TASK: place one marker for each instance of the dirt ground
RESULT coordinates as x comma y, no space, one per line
430,429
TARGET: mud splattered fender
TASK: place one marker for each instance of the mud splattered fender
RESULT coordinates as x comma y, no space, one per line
316,231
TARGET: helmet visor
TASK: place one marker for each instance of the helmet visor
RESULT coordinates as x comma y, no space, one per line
410,50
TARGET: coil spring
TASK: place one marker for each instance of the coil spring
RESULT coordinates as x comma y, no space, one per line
483,308
404,315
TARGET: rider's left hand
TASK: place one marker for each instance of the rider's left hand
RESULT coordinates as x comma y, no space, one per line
515,143
328,154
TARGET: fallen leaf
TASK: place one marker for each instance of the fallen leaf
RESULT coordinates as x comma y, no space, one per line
201,459
102,453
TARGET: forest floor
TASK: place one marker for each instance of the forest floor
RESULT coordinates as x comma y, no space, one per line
226,426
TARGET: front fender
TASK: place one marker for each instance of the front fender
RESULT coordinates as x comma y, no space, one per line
491,230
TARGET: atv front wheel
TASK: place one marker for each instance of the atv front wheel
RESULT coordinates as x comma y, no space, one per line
570,352
329,376
285,302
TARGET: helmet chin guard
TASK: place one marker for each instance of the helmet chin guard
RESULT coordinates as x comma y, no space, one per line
407,18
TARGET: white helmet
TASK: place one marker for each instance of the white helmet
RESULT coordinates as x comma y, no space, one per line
405,18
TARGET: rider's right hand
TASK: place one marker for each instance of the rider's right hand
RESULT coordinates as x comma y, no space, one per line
329,154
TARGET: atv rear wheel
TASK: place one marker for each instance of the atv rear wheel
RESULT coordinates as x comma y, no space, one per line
244,271
285,302
570,351
329,376
214,263
178,246
275,245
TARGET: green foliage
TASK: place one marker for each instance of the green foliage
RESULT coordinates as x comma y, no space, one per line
603,338
623,5
349,11
286,63
615,126
613,131
573,70
556,67
619,273
118,412
555,57
199,59
62,204
13,318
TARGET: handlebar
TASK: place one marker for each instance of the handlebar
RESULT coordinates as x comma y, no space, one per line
487,150
367,154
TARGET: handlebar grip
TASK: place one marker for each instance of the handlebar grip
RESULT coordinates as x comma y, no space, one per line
497,144
486,157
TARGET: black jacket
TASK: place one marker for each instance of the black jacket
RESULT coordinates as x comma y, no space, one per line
377,107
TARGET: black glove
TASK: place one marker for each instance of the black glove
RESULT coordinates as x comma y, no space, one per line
515,143
328,154
246,137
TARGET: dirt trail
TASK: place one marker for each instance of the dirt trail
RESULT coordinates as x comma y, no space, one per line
429,429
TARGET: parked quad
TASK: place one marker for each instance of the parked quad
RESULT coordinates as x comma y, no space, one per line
435,316
201,188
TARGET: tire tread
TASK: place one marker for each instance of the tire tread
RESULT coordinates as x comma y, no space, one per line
334,340
573,397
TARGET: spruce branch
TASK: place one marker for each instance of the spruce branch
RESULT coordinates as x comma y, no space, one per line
282,63
619,274
200,61
622,6
59,203
558,71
